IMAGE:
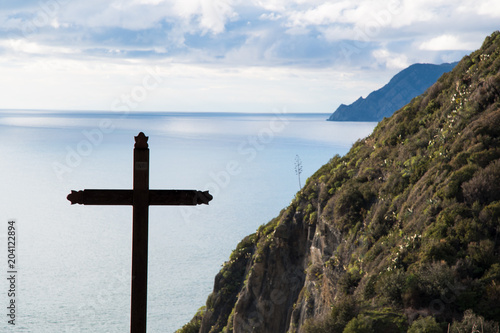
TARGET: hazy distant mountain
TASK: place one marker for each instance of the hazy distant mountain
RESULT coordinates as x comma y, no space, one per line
400,90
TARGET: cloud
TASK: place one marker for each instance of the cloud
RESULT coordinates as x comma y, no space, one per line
195,30
447,42
391,60
270,16
301,37
323,14
488,8
215,14
21,46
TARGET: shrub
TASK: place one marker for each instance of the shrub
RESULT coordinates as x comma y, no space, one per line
349,281
342,312
425,325
488,304
360,324
474,323
369,290
194,325
395,184
484,186
384,320
348,206
438,283
482,253
454,187
391,285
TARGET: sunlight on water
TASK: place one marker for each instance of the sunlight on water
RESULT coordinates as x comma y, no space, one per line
74,261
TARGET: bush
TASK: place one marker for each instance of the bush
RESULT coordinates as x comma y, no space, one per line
348,206
349,281
191,327
484,186
360,324
341,314
391,286
454,187
194,325
385,320
437,283
482,253
474,323
425,325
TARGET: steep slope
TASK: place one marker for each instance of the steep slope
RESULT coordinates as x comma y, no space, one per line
400,90
401,233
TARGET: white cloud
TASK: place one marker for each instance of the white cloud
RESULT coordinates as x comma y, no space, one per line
391,60
323,14
488,8
272,5
70,84
148,2
204,15
249,38
215,14
21,46
447,42
270,16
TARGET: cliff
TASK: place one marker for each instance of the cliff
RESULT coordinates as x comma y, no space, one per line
400,234
400,90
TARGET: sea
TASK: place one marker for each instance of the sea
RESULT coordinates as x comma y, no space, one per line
67,268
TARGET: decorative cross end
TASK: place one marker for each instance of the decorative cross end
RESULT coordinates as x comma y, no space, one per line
203,197
76,197
141,141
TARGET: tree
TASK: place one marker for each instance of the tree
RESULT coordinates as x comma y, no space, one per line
298,168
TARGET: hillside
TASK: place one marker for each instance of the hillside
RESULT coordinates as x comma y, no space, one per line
400,234
400,90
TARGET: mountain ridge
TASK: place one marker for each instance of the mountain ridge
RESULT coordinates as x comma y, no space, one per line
405,85
400,234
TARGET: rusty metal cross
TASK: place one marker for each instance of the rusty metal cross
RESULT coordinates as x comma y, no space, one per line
140,197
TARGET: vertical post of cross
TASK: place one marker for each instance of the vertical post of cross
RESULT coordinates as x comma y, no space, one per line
140,235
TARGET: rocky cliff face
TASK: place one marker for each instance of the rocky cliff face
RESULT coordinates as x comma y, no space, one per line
400,90
402,233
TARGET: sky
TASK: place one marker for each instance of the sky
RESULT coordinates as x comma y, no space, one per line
224,55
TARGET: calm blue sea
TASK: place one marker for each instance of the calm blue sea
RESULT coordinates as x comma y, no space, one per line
73,262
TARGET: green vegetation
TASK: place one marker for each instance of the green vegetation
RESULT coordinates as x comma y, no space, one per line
425,325
426,188
228,283
474,323
400,234
194,325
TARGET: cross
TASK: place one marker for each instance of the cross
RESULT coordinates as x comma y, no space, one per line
140,197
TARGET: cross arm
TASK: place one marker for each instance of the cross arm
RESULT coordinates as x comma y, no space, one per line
126,197
179,197
101,197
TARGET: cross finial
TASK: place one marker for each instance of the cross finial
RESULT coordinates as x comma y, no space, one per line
75,197
141,141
